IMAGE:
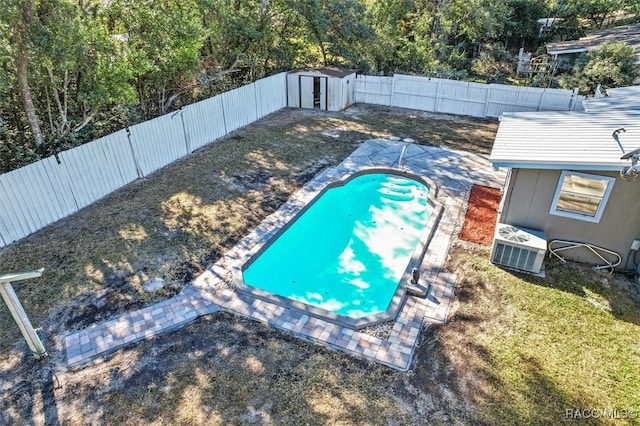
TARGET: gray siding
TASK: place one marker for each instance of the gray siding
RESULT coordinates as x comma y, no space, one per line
528,199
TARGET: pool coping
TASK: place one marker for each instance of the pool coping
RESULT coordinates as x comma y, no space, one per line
402,287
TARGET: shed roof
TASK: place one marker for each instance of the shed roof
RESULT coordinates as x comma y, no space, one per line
328,71
565,140
630,34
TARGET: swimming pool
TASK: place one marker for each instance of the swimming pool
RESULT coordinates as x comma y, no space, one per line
347,256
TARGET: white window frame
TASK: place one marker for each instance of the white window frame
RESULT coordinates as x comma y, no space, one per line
605,197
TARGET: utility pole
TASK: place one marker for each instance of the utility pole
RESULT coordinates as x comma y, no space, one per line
18,313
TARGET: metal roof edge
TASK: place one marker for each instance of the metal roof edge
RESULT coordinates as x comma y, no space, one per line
328,71
618,114
553,166
558,51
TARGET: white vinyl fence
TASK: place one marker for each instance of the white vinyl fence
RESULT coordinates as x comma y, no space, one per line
41,193
462,98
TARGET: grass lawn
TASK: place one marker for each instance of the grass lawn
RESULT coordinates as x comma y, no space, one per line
528,349
517,350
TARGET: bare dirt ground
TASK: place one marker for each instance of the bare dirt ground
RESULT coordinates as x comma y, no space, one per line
220,369
226,370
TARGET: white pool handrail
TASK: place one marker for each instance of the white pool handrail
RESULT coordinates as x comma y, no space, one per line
593,248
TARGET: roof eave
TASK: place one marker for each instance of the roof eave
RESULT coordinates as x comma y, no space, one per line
560,51
512,164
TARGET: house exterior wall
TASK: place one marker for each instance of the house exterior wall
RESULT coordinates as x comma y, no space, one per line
527,201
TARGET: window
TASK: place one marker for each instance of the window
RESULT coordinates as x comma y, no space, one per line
581,196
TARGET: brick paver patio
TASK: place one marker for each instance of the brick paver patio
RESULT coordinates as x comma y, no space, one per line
453,172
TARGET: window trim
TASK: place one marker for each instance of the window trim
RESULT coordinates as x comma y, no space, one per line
605,197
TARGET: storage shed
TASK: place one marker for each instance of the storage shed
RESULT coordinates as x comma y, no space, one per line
329,89
573,176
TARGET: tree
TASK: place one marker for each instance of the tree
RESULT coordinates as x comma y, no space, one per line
23,16
336,28
521,28
16,143
81,68
467,24
595,11
259,37
494,62
632,7
403,36
611,65
161,44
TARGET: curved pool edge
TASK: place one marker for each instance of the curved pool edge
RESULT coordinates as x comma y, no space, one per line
401,291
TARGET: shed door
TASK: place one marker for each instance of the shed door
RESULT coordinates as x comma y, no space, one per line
313,92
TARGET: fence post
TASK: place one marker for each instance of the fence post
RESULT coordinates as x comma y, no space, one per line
255,94
541,99
187,138
598,93
18,313
184,129
435,105
224,118
487,100
393,88
574,96
133,153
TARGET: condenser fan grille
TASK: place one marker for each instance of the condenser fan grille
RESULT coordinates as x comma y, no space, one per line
513,234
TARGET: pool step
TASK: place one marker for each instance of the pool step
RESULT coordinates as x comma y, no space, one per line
400,181
396,196
397,188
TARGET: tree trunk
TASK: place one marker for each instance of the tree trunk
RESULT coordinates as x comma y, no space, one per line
318,36
21,34
324,52
27,101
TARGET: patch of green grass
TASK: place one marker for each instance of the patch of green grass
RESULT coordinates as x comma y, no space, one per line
527,349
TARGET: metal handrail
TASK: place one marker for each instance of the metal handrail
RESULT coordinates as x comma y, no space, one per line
17,311
593,248
6,278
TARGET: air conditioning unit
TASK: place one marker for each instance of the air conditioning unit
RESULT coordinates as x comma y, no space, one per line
518,248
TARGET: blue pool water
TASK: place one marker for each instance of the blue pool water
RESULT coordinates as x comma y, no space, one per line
348,251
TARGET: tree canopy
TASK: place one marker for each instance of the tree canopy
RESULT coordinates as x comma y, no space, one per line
612,65
75,70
